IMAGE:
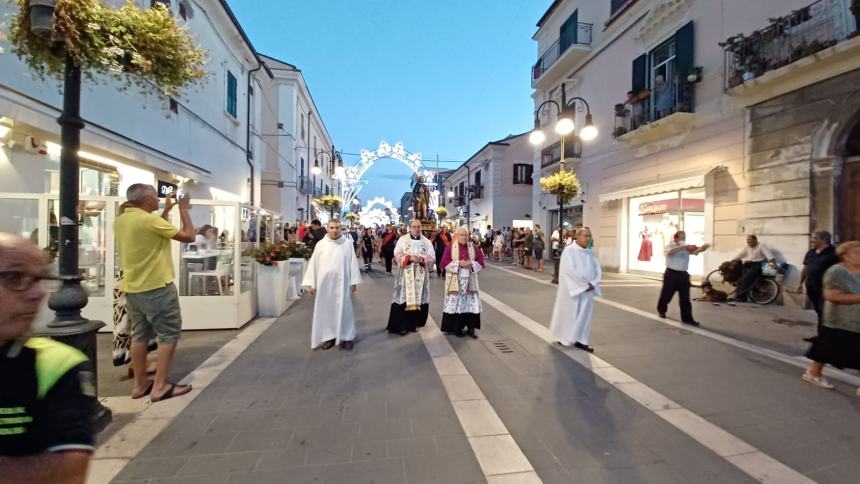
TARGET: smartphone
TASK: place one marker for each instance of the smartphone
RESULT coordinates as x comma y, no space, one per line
165,188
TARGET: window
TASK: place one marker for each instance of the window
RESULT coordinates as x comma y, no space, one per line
302,168
567,31
232,94
523,173
303,126
616,5
174,106
659,79
478,178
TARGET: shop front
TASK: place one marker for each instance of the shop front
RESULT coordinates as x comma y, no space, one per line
215,277
653,221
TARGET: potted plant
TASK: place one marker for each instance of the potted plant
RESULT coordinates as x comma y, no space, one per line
139,47
298,263
619,131
272,279
563,184
441,212
352,217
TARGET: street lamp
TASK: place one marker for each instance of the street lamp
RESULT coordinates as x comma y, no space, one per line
69,326
565,126
316,170
340,171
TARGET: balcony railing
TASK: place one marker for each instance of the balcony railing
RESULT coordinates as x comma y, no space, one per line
476,192
552,153
651,105
555,51
787,39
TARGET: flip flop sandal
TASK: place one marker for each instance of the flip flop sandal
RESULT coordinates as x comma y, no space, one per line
145,393
169,393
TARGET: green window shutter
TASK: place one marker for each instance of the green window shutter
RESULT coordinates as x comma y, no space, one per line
232,94
640,73
567,32
684,64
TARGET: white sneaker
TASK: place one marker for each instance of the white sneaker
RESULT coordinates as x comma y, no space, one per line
817,380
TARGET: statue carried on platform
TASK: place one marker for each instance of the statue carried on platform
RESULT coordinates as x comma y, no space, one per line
421,200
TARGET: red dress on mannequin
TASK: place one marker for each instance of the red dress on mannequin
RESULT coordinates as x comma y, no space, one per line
645,250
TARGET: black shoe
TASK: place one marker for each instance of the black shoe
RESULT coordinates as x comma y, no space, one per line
404,332
473,334
459,333
662,315
583,347
691,323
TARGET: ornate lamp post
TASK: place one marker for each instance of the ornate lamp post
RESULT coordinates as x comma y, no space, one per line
565,126
69,325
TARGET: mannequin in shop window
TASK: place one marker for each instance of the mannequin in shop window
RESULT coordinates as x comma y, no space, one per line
645,249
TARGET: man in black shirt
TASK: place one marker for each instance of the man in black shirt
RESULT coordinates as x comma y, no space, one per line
315,233
46,400
817,260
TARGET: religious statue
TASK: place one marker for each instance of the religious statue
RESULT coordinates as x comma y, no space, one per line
421,200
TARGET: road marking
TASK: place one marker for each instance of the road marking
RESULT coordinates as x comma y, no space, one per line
745,457
797,361
112,456
498,454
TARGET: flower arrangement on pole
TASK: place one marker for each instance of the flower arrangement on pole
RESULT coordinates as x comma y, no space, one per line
352,217
138,46
563,184
331,203
441,212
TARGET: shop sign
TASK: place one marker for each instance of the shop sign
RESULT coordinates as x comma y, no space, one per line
672,206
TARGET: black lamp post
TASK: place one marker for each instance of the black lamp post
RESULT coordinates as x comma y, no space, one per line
69,325
564,127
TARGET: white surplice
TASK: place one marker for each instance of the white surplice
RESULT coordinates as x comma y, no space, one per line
571,316
418,249
333,268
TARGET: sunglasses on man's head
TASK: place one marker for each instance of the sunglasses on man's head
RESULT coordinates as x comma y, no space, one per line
22,281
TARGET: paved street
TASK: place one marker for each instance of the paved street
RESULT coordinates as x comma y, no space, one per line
658,404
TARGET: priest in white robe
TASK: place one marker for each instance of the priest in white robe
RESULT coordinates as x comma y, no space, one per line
332,276
578,284
414,256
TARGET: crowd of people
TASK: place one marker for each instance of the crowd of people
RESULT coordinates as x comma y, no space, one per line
46,394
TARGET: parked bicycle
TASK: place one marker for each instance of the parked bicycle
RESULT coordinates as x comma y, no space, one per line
765,289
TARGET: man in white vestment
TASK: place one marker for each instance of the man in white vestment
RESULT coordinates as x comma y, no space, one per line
578,283
333,272
415,256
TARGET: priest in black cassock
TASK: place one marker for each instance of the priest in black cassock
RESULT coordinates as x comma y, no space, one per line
415,257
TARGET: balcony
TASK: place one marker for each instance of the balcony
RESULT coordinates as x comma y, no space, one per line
476,192
650,115
560,58
552,153
807,46
459,201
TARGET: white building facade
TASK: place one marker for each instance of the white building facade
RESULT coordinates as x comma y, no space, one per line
494,186
294,141
717,141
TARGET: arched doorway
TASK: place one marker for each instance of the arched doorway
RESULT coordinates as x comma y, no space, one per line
849,196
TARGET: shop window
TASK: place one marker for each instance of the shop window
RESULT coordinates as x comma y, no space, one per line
523,174
653,222
232,94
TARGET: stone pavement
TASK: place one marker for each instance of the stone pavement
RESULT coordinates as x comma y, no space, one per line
283,413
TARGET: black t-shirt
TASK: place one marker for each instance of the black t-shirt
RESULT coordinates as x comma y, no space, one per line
817,263
31,423
367,242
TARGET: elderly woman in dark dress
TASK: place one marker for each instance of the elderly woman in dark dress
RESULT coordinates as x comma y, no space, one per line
838,344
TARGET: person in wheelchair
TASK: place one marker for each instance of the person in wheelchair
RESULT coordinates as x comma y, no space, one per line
751,257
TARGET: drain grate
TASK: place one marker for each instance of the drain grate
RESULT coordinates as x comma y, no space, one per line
501,346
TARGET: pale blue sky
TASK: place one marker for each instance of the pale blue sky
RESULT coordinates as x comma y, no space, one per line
442,76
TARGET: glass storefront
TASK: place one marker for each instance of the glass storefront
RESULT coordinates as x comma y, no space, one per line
654,219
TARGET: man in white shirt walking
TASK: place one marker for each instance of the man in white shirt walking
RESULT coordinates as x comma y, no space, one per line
676,278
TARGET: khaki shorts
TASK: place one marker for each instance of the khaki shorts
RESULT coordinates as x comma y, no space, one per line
154,314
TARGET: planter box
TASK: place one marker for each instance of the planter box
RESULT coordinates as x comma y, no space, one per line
273,284
296,273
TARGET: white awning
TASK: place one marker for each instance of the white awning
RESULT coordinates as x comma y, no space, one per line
662,187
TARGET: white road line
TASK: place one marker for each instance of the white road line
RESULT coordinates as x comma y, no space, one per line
499,456
112,456
745,457
797,361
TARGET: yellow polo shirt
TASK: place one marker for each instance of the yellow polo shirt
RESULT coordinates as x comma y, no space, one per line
143,240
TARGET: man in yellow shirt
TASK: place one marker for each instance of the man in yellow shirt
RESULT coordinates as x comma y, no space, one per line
152,301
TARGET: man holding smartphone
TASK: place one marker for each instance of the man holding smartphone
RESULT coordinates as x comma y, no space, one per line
143,240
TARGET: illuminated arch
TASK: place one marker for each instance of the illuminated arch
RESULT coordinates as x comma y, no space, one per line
370,216
354,182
